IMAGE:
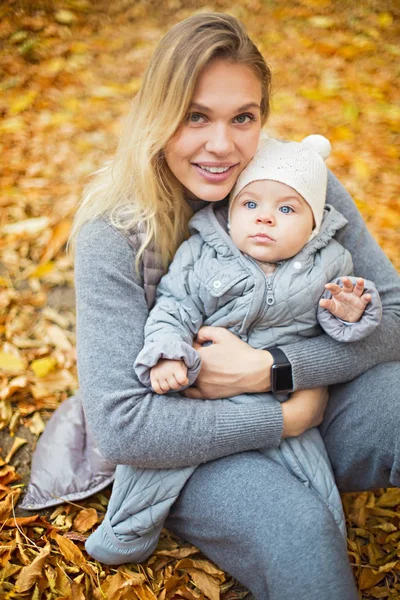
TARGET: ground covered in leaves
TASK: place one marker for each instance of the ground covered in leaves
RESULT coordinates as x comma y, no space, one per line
68,69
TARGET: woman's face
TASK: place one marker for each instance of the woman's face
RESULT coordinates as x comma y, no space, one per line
221,132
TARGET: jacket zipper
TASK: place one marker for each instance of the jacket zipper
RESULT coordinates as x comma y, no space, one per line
268,295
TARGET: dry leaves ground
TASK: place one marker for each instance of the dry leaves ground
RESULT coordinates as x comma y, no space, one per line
68,70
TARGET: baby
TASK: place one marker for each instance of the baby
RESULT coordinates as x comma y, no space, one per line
278,225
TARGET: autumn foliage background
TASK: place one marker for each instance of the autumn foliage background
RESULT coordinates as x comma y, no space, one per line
68,69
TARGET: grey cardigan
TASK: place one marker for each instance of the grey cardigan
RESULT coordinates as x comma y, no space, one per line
129,424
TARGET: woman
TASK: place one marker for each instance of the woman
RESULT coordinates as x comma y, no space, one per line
193,127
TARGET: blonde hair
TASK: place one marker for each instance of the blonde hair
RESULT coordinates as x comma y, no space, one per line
136,188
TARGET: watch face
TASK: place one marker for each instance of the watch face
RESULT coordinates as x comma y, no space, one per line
282,378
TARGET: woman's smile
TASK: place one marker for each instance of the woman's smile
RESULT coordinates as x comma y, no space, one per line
214,173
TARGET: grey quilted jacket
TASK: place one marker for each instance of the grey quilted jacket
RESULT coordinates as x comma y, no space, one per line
210,282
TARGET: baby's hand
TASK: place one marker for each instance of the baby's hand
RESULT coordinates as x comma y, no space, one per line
348,302
168,375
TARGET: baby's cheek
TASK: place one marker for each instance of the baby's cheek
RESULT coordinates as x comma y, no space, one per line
236,233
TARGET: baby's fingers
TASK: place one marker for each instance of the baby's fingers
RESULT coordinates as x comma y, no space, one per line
327,304
181,378
348,286
357,289
334,288
160,387
365,298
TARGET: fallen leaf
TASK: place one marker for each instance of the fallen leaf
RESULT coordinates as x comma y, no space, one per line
64,17
42,366
85,519
31,573
17,444
59,237
368,578
11,363
27,226
36,424
7,505
389,498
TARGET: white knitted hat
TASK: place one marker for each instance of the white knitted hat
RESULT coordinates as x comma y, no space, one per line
299,165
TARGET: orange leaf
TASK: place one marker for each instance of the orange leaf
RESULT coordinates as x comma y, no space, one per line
368,579
85,519
205,583
6,506
20,521
59,237
31,573
72,553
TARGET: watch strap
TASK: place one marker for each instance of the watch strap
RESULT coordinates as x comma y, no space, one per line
279,356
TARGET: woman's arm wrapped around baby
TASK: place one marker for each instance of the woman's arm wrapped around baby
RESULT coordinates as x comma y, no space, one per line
168,360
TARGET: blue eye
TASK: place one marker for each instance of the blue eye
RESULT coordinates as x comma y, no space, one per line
245,118
195,117
286,210
250,204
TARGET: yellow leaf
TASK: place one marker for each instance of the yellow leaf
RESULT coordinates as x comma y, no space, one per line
64,17
343,133
23,102
361,168
385,20
11,363
78,47
85,519
54,65
12,125
42,366
322,22
42,270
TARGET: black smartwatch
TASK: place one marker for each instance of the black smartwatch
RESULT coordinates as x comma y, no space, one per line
281,372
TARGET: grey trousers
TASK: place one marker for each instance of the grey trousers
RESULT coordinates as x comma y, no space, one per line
267,529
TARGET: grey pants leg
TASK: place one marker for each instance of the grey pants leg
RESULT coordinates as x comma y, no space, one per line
361,430
257,522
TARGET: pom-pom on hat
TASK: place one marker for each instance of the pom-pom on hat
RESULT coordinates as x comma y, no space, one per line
299,165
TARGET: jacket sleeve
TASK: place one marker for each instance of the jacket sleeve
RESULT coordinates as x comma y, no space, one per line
325,361
130,424
176,317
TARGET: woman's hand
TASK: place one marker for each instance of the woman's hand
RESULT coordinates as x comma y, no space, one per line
229,366
303,410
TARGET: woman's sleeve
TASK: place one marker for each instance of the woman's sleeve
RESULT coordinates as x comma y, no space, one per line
324,361
130,424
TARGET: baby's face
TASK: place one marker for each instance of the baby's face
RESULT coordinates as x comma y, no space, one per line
270,221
